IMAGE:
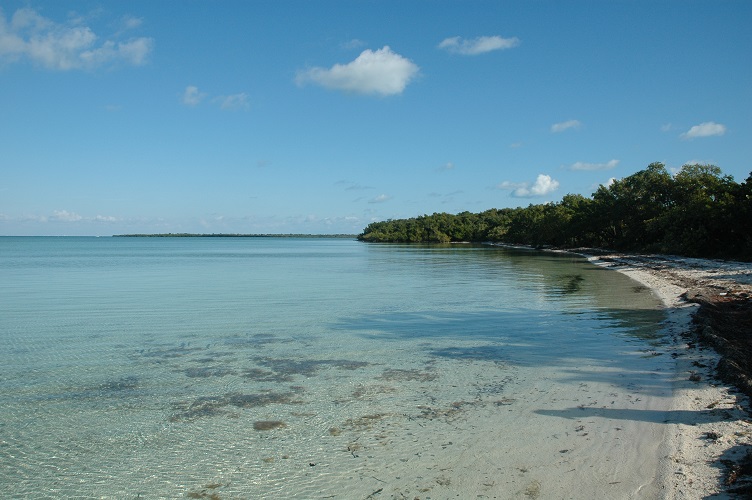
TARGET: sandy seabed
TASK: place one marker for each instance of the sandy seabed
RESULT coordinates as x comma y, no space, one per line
709,426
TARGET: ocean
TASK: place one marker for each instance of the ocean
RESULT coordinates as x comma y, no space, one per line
311,367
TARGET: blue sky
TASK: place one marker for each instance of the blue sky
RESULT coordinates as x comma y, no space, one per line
323,116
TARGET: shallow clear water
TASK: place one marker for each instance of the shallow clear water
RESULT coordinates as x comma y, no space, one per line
276,367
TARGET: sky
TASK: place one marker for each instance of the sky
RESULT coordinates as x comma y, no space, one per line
320,117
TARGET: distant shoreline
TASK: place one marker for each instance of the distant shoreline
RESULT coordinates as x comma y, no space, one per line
226,235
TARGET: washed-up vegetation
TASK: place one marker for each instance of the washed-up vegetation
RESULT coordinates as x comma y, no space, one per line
699,212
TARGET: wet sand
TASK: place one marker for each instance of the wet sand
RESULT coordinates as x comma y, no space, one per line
712,434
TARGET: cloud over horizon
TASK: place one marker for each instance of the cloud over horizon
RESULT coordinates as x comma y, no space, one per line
479,45
542,186
64,47
381,72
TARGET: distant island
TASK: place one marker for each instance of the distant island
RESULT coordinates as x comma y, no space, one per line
227,235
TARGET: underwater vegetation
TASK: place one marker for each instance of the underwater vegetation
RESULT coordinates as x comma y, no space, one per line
307,367
210,406
208,371
121,384
168,352
259,375
397,375
268,425
570,283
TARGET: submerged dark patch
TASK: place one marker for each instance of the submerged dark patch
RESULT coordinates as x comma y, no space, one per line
122,384
209,406
306,367
407,375
570,283
169,352
259,375
268,425
208,371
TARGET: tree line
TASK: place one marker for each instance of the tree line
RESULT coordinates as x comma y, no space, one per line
699,212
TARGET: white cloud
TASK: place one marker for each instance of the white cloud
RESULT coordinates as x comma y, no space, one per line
542,186
446,167
480,45
65,216
561,127
594,166
233,102
105,218
353,44
706,129
380,199
65,46
131,22
192,96
372,72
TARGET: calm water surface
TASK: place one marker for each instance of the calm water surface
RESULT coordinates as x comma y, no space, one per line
266,367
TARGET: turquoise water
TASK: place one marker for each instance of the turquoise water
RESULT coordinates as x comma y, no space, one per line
280,368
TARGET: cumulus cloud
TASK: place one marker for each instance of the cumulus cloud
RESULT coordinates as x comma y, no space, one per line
706,129
381,72
561,127
594,166
542,186
63,47
480,45
192,96
380,198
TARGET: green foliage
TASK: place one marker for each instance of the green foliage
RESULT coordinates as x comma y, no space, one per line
699,212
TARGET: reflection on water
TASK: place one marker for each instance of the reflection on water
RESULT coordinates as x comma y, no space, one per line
303,368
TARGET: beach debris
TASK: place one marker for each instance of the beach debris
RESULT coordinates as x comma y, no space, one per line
375,493
739,475
205,492
443,481
533,489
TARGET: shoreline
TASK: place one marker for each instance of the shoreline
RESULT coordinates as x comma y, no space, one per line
711,455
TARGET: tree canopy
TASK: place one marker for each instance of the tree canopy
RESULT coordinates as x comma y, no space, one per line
699,212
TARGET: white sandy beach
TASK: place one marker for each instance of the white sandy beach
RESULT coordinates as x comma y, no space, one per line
712,420
656,424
